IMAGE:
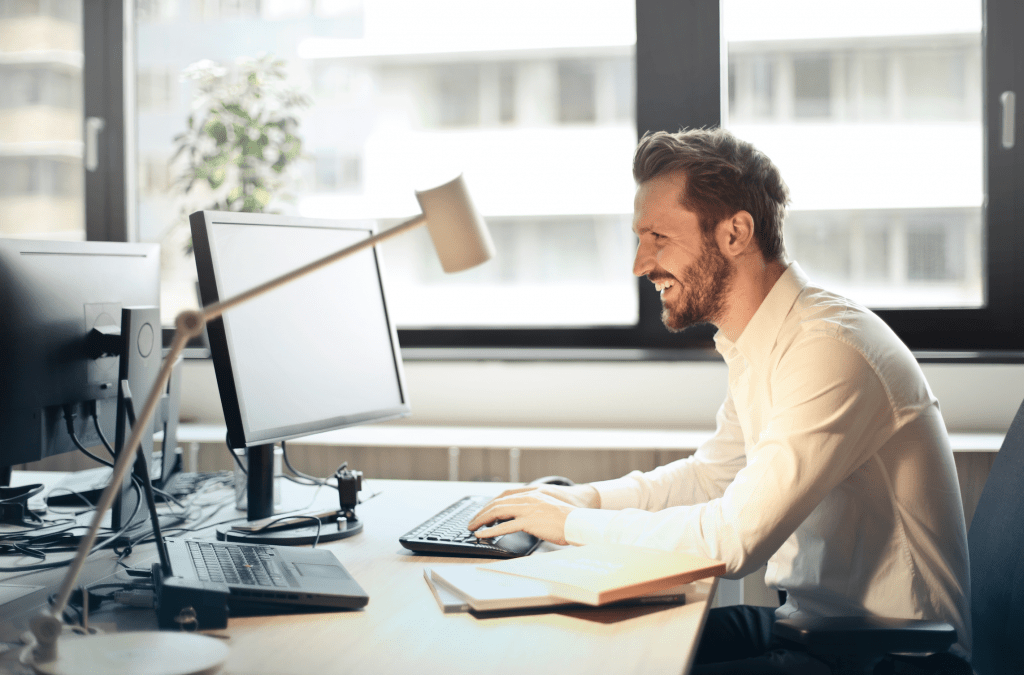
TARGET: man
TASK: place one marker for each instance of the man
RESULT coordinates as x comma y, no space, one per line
830,461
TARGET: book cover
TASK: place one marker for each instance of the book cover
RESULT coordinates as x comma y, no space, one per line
484,591
448,601
597,574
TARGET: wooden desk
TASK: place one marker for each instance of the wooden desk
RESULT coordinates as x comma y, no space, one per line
403,631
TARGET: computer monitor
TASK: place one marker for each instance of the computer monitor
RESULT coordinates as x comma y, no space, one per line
52,294
317,354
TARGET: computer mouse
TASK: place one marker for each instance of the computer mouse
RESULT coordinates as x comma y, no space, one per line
552,480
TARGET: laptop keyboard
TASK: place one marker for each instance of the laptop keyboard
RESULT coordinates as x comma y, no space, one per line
236,564
446,532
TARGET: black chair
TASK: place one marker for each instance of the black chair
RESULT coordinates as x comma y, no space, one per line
996,545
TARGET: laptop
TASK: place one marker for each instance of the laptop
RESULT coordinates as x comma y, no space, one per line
266,579
199,583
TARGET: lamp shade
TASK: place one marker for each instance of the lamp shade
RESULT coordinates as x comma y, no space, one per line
459,234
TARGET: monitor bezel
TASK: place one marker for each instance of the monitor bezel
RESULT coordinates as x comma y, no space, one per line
205,254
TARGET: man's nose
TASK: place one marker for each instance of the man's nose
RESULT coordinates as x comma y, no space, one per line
644,261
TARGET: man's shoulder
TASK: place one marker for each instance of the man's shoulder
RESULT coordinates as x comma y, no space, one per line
820,312
851,333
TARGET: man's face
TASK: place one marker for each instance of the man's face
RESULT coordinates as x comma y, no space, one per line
688,268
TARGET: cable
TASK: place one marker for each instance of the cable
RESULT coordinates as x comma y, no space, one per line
69,417
69,421
97,547
227,442
312,480
106,444
99,431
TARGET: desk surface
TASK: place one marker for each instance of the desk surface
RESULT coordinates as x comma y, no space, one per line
403,631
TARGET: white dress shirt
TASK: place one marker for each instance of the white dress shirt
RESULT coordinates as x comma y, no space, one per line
830,463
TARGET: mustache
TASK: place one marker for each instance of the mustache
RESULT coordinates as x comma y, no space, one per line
655,277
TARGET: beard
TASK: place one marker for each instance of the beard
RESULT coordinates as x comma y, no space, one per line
703,287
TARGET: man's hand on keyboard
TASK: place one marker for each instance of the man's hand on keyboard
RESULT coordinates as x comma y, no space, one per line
540,511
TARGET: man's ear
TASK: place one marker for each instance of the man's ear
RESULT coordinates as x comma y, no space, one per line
736,234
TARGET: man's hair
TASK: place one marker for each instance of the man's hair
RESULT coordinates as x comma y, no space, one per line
724,175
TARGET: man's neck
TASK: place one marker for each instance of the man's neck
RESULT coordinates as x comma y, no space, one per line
753,281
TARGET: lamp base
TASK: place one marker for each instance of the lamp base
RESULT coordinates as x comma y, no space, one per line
141,653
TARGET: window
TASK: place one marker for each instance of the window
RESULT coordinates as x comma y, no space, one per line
898,123
333,173
576,92
884,125
543,122
41,182
406,95
458,95
155,89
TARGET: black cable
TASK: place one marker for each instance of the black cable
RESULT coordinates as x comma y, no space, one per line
89,504
312,480
134,479
169,497
231,451
99,431
97,547
69,421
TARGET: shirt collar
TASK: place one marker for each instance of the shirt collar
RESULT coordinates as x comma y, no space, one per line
759,335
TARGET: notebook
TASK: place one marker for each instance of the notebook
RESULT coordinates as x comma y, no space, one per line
459,588
596,574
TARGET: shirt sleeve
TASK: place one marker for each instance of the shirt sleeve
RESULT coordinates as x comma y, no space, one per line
693,480
828,414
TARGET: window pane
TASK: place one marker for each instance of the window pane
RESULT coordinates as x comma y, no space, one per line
41,179
872,111
404,95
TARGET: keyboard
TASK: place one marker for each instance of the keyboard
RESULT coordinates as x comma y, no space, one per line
185,483
446,533
234,564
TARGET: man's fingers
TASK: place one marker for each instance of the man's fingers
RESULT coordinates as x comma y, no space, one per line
498,530
514,491
493,512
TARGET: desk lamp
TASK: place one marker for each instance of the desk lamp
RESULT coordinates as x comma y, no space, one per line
461,241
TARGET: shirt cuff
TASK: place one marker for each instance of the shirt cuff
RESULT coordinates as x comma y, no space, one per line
618,494
587,526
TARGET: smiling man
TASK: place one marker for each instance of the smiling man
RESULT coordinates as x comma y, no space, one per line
830,462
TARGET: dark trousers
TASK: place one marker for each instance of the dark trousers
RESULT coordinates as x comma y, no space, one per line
738,640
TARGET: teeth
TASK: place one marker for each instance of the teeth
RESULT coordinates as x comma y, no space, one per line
662,285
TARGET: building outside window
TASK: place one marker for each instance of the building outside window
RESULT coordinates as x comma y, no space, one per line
885,119
876,127
404,97
41,144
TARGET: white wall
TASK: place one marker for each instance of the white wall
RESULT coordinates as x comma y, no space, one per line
669,395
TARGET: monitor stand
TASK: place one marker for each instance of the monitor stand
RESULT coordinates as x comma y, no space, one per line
260,506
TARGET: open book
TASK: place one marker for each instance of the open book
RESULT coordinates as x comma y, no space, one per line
596,574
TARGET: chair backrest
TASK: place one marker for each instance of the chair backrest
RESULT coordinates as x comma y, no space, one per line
996,544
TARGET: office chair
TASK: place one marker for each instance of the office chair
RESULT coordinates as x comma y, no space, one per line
996,547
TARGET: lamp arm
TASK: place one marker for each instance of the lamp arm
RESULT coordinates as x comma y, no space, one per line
47,626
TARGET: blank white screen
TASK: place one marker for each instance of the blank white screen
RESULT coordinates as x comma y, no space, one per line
312,354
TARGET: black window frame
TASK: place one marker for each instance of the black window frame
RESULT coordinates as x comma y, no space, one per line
108,54
678,84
